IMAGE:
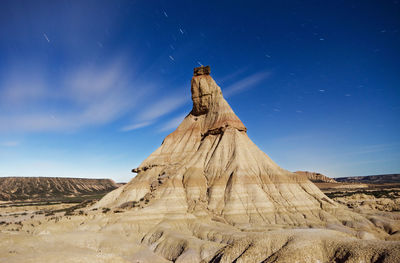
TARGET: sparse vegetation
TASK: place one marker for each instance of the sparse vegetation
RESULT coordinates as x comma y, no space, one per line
391,194
129,204
49,213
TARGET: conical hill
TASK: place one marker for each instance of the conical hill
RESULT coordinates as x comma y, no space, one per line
209,167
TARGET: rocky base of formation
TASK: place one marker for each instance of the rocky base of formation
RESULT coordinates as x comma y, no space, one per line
123,235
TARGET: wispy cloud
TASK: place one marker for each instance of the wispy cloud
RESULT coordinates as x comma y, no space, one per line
136,126
84,96
173,123
156,110
162,107
21,85
231,76
246,83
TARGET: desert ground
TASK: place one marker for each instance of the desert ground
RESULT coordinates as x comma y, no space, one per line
65,231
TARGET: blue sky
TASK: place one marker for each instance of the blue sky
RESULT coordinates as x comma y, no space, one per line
91,88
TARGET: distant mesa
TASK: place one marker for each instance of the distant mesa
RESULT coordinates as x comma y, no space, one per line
371,179
316,177
50,188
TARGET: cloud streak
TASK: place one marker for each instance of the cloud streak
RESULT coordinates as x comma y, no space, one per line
162,107
156,110
173,123
246,83
82,97
136,126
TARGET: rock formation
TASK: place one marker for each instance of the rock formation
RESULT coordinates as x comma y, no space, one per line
210,168
316,177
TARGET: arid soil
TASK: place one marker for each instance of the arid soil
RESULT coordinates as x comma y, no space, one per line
79,233
375,196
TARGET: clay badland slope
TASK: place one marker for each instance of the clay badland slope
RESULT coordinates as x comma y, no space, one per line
23,188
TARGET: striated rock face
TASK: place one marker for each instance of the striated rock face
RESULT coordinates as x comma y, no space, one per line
23,188
209,167
316,177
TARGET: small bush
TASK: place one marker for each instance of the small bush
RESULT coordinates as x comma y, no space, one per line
50,213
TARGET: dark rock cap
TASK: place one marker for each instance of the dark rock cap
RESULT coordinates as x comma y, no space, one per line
203,70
